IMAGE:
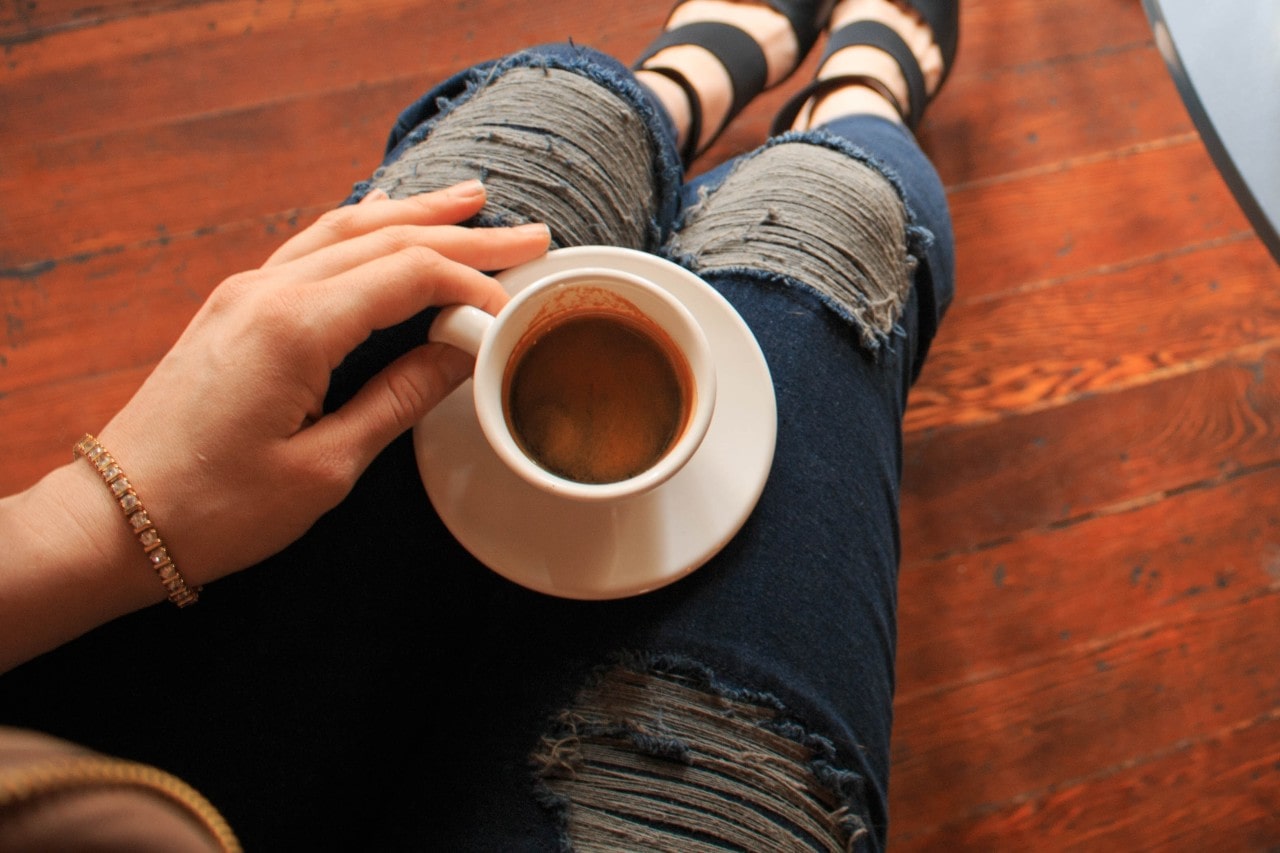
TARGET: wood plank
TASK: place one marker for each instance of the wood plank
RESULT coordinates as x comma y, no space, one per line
523,20
997,35
27,20
1020,351
991,742
1027,117
78,193
41,424
177,70
1043,226
1221,792
124,309
187,69
92,197
1040,469
1065,590
197,59
208,56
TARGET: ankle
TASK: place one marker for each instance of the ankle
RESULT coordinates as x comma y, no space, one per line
882,90
714,96
906,22
705,79
768,28
673,99
851,100
859,61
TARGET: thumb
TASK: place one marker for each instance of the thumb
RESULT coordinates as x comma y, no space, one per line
395,399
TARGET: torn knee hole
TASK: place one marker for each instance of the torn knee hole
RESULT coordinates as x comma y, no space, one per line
662,758
812,215
550,146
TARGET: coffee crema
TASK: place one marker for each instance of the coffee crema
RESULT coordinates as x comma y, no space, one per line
597,396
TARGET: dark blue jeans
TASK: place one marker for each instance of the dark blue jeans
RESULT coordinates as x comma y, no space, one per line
373,686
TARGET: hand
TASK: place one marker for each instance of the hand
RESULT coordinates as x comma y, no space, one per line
226,443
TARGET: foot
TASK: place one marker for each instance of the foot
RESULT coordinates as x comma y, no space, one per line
701,90
865,78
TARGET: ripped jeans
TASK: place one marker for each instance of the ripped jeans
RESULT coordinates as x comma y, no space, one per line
374,687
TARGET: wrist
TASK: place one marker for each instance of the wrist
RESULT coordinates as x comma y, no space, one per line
94,546
70,564
137,520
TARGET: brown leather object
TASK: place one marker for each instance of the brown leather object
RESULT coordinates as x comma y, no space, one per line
57,796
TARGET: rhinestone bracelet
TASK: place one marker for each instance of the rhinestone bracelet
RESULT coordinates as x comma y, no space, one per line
139,522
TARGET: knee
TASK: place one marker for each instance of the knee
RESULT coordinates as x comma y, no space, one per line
551,144
656,754
813,215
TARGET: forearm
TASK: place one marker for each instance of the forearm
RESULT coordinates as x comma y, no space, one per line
227,441
67,565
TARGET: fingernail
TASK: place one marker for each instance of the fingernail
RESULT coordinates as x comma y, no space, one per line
539,228
456,366
375,194
467,189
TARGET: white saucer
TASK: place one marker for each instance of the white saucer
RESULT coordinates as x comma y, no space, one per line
583,550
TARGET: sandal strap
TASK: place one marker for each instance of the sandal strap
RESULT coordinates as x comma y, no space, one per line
689,151
872,34
741,56
883,37
807,19
943,18
819,89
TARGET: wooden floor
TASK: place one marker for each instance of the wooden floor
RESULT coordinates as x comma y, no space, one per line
1090,595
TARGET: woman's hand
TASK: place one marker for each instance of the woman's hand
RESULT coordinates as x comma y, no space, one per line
225,442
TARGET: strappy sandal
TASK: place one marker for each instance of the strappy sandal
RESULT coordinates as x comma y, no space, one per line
943,18
741,56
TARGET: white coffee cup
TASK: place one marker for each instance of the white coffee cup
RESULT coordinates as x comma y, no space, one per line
592,384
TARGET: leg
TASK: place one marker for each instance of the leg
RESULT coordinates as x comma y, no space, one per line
836,248
781,648
716,55
529,659
884,57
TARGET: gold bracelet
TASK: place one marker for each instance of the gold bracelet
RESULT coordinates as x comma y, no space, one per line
139,522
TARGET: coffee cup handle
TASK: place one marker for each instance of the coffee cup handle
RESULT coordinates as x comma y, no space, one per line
461,326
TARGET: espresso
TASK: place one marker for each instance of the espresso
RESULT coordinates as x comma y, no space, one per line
597,397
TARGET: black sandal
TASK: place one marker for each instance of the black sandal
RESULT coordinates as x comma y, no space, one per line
943,18
741,56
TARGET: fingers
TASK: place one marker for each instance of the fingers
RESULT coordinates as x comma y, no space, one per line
377,280
489,248
481,248
390,403
390,289
444,207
